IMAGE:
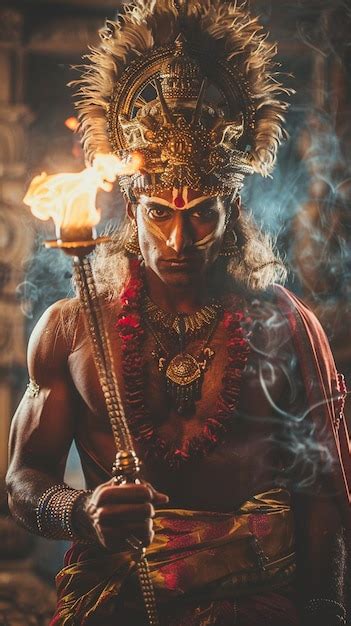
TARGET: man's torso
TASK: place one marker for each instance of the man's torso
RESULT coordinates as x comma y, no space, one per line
246,463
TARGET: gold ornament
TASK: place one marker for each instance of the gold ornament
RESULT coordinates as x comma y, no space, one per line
191,87
193,323
184,372
132,245
229,245
33,389
184,377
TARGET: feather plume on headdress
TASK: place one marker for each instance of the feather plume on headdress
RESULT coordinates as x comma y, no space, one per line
242,115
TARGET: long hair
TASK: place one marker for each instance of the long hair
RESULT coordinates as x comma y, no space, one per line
255,266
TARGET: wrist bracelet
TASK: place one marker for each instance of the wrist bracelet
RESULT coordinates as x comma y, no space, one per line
54,511
326,605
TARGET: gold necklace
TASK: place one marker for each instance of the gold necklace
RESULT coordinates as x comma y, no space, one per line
184,372
193,323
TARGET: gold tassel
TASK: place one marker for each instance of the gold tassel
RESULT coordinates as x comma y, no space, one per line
229,245
132,245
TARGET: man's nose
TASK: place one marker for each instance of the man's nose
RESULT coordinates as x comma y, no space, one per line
180,236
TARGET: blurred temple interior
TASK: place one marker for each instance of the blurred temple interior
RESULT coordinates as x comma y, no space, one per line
305,206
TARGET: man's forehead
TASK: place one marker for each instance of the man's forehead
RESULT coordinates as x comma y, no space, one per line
178,200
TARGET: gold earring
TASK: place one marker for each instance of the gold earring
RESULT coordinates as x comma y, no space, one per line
132,245
229,245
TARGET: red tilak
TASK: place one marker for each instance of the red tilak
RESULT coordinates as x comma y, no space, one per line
215,428
179,202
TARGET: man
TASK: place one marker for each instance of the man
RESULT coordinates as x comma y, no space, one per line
230,390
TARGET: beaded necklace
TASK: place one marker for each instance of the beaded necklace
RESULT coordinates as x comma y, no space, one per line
131,333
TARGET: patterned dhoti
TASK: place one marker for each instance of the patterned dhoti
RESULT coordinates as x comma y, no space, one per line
207,568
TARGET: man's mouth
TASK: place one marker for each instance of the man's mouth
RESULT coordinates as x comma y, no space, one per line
179,264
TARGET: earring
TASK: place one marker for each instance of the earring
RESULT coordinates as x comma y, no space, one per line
132,245
229,246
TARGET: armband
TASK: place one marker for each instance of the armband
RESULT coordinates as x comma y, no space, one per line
54,511
32,389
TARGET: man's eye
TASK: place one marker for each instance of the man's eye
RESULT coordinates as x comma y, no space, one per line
158,213
204,214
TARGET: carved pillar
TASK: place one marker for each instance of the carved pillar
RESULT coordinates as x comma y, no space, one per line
14,236
24,599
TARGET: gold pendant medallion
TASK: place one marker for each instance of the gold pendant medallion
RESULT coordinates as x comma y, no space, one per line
183,380
183,370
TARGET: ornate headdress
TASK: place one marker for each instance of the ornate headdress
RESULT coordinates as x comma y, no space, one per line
190,86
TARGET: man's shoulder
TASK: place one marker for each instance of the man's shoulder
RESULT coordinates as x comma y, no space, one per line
58,315
52,336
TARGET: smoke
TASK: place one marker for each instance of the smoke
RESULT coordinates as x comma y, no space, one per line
289,426
28,295
305,447
305,207
48,278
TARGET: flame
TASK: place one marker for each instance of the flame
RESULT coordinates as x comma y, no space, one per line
72,123
70,199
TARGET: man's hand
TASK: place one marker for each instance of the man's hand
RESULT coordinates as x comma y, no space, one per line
120,512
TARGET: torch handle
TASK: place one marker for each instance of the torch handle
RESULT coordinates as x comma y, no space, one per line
127,466
102,352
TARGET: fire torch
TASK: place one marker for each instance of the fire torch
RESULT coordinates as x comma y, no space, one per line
70,200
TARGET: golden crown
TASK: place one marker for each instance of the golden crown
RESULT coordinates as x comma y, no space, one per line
190,87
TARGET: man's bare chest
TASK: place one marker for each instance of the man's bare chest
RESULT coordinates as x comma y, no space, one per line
233,469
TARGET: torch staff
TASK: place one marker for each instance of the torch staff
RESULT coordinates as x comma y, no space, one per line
88,296
127,466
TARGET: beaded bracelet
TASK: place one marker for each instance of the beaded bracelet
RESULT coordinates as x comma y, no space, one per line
54,511
318,605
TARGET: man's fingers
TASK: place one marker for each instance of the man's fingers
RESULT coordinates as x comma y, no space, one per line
123,493
124,512
109,494
160,498
157,496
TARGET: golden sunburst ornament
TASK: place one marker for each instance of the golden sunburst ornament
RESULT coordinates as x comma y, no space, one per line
189,85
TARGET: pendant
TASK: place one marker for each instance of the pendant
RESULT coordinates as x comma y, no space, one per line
183,377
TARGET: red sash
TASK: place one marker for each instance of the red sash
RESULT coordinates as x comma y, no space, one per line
324,396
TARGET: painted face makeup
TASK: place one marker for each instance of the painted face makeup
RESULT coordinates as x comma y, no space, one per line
152,204
180,244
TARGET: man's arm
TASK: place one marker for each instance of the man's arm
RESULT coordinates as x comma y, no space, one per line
43,426
41,435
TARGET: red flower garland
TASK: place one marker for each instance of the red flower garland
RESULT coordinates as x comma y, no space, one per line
131,333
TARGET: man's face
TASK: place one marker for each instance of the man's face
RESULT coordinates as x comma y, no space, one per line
180,244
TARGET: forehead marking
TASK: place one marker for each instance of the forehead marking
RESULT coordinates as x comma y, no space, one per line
189,205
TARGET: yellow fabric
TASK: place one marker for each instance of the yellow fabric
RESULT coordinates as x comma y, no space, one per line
191,550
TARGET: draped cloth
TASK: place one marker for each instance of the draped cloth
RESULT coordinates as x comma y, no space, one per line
323,395
246,555
216,555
